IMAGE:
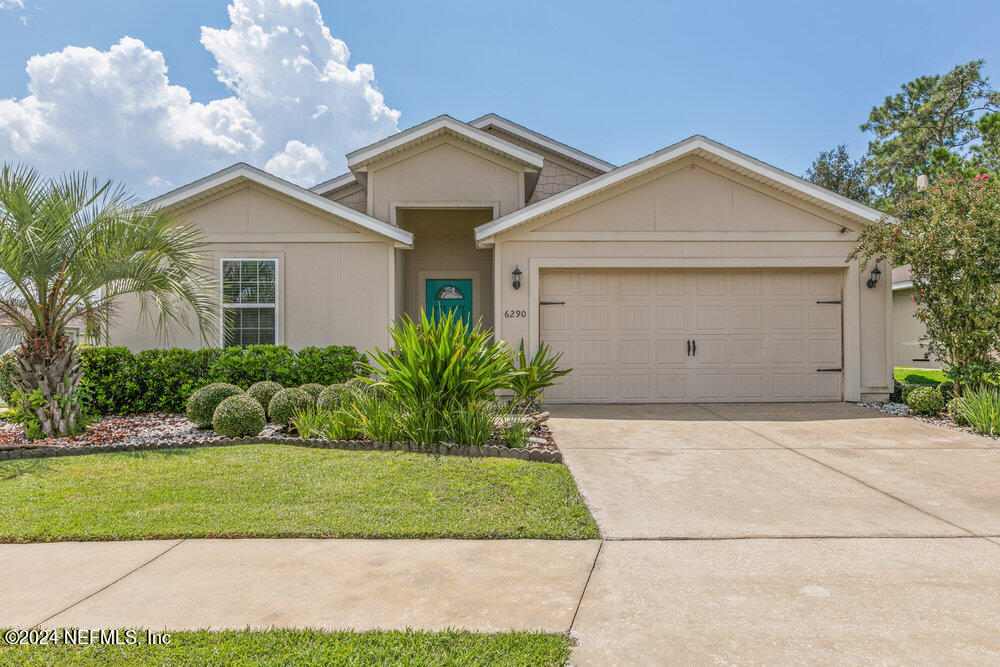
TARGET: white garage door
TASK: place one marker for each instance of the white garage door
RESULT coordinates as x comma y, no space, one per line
687,336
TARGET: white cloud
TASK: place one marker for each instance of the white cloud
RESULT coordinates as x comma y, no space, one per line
299,162
11,4
297,104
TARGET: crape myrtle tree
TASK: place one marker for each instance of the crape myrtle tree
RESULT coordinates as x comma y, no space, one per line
950,234
70,249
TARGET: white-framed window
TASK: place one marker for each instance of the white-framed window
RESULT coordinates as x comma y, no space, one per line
249,301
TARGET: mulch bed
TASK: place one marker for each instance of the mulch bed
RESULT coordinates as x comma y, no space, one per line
163,430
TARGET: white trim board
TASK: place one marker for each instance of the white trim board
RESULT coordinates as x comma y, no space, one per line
696,145
557,147
435,126
243,171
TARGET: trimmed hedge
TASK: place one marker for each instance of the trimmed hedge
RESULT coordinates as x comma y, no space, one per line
202,404
287,402
313,389
925,400
6,372
117,381
264,392
239,416
329,399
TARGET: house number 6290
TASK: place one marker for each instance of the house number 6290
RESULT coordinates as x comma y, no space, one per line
515,313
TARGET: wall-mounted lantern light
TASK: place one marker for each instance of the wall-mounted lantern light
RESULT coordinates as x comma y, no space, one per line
516,275
873,281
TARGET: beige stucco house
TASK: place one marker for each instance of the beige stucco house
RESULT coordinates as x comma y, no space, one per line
696,273
907,330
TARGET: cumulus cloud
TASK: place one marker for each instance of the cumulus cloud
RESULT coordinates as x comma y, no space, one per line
11,4
296,106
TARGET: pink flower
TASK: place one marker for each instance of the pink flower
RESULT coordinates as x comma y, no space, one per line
948,181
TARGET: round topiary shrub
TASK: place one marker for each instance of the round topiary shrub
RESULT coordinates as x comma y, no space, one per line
239,416
904,392
925,400
330,398
287,402
947,389
955,411
202,404
264,392
313,389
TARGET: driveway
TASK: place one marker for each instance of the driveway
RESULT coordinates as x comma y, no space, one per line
784,533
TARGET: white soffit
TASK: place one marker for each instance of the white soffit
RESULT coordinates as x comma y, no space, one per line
557,147
702,147
434,127
244,172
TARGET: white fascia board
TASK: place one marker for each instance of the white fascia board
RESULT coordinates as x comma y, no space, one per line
245,171
439,124
540,139
695,144
334,183
905,284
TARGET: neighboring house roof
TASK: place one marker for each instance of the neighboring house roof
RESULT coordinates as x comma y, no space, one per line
334,183
542,141
902,277
443,124
698,146
244,172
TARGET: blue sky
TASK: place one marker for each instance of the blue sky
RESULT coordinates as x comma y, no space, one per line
778,80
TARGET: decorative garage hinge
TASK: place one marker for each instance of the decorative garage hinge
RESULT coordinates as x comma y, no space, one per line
837,301
551,303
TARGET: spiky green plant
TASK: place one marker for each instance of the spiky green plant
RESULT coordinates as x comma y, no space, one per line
536,375
981,408
442,361
70,249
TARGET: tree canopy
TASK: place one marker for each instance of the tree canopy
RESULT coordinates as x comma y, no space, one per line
835,170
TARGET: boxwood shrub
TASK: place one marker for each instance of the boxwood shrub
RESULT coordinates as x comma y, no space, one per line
264,391
313,389
6,374
202,404
239,416
287,402
330,398
117,381
925,400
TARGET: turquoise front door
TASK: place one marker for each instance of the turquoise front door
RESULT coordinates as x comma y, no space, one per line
444,296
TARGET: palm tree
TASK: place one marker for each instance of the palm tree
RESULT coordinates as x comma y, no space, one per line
70,248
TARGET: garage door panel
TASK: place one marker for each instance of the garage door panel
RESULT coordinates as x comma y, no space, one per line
760,334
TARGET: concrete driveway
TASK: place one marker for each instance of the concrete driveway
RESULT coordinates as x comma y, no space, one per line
784,533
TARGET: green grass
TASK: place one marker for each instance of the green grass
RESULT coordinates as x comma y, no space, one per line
928,376
309,647
286,491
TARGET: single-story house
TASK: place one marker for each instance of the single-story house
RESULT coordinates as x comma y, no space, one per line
696,273
907,330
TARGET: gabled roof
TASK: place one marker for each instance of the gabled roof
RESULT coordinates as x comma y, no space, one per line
241,171
443,124
702,147
542,141
334,183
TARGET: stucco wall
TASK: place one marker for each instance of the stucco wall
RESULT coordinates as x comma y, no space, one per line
906,333
697,214
444,170
444,247
334,279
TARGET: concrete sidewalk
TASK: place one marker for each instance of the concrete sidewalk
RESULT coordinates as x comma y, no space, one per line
328,584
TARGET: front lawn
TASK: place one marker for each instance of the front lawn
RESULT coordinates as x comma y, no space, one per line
286,491
928,376
309,647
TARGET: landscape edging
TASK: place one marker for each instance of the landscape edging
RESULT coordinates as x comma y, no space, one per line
313,443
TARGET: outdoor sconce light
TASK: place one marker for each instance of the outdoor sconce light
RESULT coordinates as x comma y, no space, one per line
873,281
516,275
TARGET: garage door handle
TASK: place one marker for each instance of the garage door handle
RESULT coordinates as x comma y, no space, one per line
694,348
829,370
689,347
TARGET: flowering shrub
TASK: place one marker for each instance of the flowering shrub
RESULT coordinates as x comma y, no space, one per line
925,401
949,234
